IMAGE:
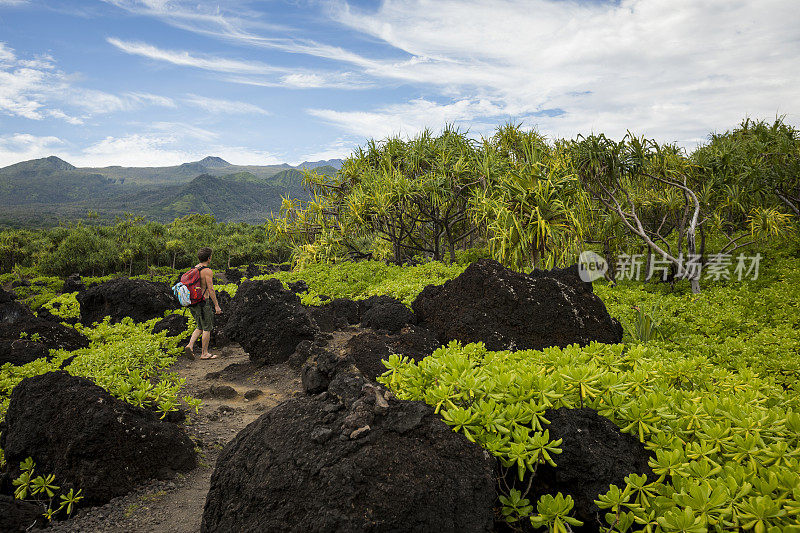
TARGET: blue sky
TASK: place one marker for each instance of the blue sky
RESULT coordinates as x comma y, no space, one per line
159,82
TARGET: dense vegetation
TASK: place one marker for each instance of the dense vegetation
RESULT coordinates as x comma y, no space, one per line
539,203
708,380
135,246
45,192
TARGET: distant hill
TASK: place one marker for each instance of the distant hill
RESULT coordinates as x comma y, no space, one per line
335,163
214,162
240,197
48,190
51,180
46,164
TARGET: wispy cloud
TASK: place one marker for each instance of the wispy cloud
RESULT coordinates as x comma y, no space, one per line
18,147
410,118
188,59
247,72
163,148
671,69
217,105
232,21
35,89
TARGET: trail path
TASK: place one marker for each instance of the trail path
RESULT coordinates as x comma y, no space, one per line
176,506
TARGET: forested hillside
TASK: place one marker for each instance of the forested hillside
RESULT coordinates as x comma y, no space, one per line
47,191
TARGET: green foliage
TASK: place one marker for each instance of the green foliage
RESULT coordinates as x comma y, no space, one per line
64,306
126,359
362,279
553,513
42,490
709,428
39,290
715,399
134,246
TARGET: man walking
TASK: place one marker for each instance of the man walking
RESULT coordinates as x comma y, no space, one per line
201,311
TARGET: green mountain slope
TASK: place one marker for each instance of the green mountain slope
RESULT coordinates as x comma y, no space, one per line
50,190
240,197
51,180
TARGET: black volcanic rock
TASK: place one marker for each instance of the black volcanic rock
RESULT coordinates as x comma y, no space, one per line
12,310
374,465
386,313
510,310
88,439
141,300
594,455
268,321
368,350
32,338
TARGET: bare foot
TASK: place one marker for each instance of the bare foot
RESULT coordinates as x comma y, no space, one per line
188,352
208,356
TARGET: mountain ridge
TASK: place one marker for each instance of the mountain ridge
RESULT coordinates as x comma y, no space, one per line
44,190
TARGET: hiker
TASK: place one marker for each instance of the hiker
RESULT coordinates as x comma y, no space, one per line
201,311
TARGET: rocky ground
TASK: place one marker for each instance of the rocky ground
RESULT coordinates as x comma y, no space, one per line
177,505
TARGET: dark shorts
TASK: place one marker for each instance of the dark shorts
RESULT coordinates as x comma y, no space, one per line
203,315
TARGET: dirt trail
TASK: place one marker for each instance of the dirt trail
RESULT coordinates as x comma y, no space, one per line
176,506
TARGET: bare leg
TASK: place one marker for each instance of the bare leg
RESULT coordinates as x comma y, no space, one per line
196,333
204,343
189,350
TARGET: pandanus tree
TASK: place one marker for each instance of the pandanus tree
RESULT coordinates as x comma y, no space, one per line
755,163
532,208
666,199
617,174
413,195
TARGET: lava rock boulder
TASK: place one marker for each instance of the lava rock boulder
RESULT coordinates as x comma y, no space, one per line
88,439
174,325
321,367
385,313
17,515
138,299
335,314
369,349
510,310
74,283
268,321
12,310
27,340
218,337
376,465
595,454
233,275
298,286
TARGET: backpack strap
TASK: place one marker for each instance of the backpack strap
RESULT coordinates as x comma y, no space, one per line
205,291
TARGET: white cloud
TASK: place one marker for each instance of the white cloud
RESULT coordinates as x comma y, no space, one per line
410,118
217,105
247,72
163,149
232,21
671,69
22,146
35,89
160,144
184,131
339,149
188,59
